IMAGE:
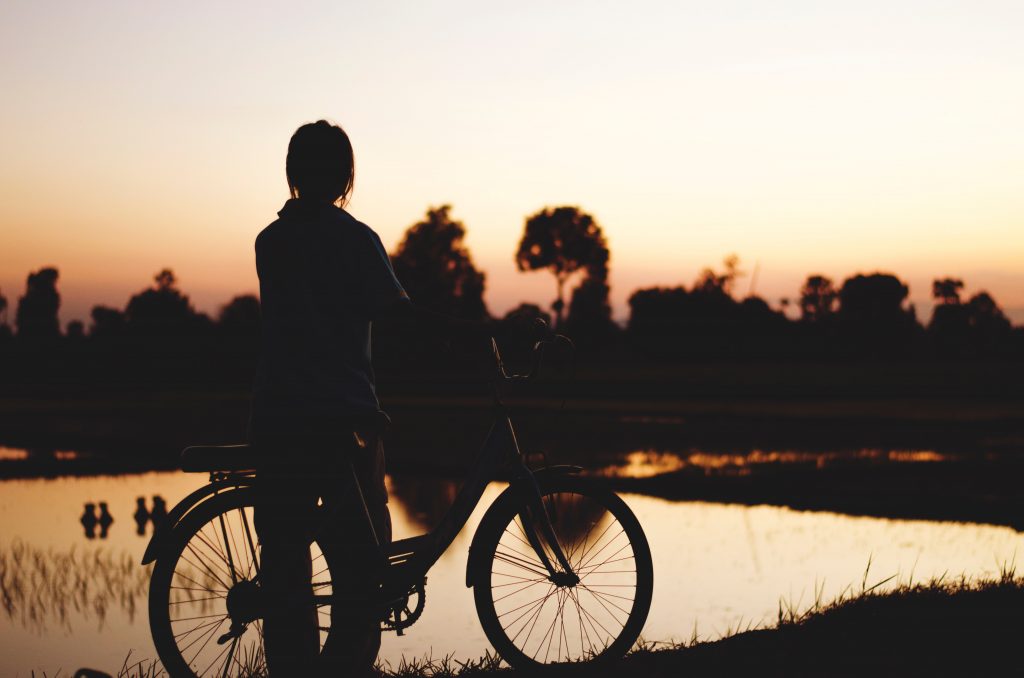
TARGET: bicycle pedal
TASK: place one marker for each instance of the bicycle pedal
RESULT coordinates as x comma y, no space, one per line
235,631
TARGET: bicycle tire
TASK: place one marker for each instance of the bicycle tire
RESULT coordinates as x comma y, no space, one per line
504,576
197,535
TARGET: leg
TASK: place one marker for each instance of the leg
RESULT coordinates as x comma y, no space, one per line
286,507
353,648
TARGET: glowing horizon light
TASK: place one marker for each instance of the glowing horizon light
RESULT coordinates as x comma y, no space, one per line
804,137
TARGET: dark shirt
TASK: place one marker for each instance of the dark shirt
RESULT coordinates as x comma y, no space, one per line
324,276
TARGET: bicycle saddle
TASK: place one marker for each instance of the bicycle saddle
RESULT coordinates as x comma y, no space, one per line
207,458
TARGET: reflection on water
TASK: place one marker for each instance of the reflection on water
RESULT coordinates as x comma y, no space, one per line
425,501
42,589
17,454
70,602
12,454
649,463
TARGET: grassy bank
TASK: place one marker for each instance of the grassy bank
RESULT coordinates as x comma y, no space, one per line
942,628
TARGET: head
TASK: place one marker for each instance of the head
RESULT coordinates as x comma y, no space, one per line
320,163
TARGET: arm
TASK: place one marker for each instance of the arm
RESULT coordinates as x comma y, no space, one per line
440,325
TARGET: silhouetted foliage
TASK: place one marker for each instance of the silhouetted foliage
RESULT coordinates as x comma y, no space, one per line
989,326
947,290
241,316
590,314
525,316
37,309
517,331
977,327
75,331
564,240
435,267
712,283
817,299
163,310
706,321
872,318
5,330
107,322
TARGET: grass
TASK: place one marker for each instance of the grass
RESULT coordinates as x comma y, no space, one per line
948,626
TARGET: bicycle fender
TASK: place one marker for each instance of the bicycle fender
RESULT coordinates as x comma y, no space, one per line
175,515
515,488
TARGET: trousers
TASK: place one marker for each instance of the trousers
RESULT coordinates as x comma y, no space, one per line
313,497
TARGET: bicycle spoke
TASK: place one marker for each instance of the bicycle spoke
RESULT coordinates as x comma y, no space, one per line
518,591
610,613
568,622
535,617
211,636
252,547
521,564
597,553
227,547
231,654
204,566
596,541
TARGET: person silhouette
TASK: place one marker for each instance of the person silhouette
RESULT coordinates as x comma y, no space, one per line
315,418
159,512
89,520
141,516
105,520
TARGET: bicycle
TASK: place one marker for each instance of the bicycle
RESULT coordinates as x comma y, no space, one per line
560,567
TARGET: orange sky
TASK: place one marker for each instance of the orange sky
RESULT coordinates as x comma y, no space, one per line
802,137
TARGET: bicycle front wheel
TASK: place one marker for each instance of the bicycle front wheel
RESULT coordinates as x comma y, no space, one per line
205,602
535,623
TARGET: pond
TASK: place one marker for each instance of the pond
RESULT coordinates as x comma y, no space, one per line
71,601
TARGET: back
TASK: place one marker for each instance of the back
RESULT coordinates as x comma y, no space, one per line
323,277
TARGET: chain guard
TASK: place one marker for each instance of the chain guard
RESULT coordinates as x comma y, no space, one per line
404,612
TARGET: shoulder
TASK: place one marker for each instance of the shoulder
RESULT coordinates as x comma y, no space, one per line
351,224
356,230
271,234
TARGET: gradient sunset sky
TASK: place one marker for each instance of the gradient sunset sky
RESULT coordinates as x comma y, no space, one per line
806,137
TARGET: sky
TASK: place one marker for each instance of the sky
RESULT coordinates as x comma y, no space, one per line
805,137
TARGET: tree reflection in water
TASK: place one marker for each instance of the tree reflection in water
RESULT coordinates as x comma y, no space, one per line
42,589
575,517
426,499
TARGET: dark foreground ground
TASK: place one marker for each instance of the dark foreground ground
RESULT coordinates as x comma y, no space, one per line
930,630
937,629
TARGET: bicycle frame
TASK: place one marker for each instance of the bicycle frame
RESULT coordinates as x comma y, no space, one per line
409,560
412,558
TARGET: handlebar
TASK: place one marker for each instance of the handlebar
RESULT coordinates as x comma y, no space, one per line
549,338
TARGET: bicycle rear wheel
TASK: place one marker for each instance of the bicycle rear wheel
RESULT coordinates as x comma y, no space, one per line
205,607
537,624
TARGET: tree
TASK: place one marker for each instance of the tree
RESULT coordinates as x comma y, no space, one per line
435,267
949,327
872,316
817,299
106,322
947,290
163,310
37,309
712,283
241,316
75,330
985,316
5,330
564,240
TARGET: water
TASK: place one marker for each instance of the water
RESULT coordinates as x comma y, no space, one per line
68,601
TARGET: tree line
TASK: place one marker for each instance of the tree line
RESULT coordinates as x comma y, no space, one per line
867,315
